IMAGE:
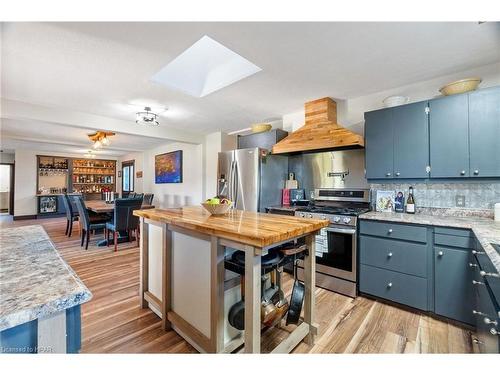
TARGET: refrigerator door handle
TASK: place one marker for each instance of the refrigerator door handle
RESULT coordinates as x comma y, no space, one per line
231,181
235,183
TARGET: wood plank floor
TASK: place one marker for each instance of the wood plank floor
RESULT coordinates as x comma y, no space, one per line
113,322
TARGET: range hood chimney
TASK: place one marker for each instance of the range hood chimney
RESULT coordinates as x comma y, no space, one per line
320,132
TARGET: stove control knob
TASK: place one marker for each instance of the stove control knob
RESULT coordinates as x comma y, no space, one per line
310,216
323,217
346,220
302,215
336,219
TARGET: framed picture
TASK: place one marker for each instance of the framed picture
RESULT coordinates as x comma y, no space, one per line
168,168
385,201
138,174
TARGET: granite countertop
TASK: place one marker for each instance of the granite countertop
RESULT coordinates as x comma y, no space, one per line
486,230
34,280
250,228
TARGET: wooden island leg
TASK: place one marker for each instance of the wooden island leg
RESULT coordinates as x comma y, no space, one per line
217,296
166,285
252,300
310,286
144,259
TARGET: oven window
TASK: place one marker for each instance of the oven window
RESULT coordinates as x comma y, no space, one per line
338,252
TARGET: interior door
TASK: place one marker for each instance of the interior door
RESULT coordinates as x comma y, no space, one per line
246,179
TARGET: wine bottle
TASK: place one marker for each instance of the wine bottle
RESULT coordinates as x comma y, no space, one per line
410,202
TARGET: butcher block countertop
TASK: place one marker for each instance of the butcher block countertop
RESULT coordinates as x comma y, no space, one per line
250,228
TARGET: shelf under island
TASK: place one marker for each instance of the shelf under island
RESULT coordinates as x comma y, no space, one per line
40,295
183,278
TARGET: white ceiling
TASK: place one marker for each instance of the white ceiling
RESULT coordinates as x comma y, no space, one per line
106,68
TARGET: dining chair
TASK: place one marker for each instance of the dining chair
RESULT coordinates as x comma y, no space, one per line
124,219
71,214
139,196
88,223
148,199
130,195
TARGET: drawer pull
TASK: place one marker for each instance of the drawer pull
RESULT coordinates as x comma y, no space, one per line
398,174
440,254
477,252
476,172
474,282
489,321
478,313
462,173
489,274
389,285
389,255
390,230
494,332
473,265
388,174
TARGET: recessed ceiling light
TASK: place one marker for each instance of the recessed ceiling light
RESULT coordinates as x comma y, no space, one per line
205,67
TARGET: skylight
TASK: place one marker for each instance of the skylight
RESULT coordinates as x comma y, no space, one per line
205,67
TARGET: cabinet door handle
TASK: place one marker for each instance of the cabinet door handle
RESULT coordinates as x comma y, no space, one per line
388,174
389,285
462,173
440,254
477,252
390,230
398,174
473,265
489,274
389,255
476,172
494,332
476,341
474,282
489,321
478,313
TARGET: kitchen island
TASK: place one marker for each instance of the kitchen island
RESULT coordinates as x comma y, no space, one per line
183,275
40,295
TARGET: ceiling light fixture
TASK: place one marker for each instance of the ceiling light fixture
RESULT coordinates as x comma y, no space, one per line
147,117
100,139
90,155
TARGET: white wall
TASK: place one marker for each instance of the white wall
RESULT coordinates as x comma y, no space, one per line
6,158
350,112
138,158
214,143
190,191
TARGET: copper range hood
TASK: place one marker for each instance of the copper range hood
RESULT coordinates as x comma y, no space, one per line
320,132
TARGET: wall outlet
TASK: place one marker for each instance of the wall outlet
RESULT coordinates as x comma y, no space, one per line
460,200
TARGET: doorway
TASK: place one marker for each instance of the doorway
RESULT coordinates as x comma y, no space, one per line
127,177
6,189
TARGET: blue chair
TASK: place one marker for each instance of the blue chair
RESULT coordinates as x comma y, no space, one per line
88,223
71,213
124,219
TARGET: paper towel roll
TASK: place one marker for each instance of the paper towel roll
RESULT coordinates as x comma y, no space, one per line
497,211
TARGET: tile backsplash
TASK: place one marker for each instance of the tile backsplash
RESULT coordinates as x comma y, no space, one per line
478,195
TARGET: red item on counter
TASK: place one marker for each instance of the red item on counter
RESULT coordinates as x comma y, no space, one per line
285,197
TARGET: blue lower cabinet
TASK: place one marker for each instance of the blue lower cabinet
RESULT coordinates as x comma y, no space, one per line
24,337
453,297
394,286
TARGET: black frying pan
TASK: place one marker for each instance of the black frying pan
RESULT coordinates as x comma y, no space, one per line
296,300
236,316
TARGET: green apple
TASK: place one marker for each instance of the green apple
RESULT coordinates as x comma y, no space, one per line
215,201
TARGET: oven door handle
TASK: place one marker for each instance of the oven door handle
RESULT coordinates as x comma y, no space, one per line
341,230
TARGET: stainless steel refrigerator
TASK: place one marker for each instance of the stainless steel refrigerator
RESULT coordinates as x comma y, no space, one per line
252,178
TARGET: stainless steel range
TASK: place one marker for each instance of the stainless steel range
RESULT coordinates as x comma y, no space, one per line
336,245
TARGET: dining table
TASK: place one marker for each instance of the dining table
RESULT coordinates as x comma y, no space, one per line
103,207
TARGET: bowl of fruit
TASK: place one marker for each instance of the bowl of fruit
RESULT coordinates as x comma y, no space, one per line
217,206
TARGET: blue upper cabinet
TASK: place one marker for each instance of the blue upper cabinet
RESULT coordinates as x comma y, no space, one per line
449,136
484,132
379,141
411,140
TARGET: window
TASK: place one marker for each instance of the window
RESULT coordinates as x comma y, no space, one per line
128,176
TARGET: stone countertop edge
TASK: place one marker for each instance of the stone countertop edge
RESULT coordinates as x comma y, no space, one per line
79,295
486,230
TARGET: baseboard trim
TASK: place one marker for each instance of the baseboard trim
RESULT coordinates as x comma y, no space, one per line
25,217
